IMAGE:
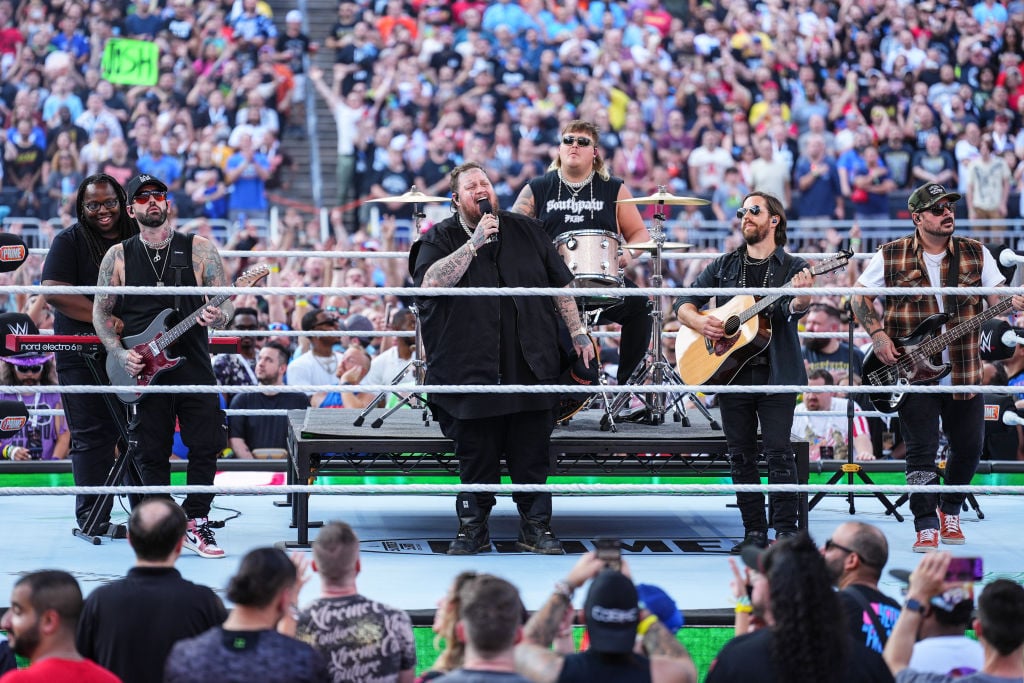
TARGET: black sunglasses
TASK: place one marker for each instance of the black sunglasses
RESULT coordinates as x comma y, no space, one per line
754,210
941,209
570,140
26,369
830,544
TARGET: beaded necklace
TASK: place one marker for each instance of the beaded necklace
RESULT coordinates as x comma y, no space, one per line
750,264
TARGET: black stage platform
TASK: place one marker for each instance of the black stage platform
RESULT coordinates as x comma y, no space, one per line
325,441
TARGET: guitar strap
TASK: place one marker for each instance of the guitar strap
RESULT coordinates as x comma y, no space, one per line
180,260
953,276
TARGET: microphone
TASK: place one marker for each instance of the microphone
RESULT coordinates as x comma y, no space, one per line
1012,337
1012,419
13,417
485,207
13,252
1008,258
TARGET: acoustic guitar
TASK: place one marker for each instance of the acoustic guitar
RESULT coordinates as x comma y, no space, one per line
747,333
152,342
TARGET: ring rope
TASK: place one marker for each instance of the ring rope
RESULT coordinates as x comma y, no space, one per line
507,291
525,389
566,489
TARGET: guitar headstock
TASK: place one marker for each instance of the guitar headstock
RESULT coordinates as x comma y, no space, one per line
253,275
840,260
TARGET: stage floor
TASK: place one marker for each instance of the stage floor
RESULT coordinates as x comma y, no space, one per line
680,542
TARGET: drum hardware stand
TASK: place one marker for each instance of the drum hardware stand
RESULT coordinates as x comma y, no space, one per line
125,461
655,367
413,400
851,468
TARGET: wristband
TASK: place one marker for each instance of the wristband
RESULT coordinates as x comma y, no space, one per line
275,269
744,609
743,600
472,249
854,241
880,329
580,331
645,625
564,589
6,452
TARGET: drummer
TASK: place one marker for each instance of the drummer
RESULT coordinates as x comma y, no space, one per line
578,193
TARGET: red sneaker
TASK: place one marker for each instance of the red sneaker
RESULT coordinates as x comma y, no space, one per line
927,541
949,529
199,539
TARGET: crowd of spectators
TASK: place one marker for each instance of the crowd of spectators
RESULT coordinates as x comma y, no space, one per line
837,108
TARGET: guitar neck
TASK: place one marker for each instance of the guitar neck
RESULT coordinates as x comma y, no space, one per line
937,344
172,335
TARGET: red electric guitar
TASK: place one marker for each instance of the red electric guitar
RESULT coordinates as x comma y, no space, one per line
152,343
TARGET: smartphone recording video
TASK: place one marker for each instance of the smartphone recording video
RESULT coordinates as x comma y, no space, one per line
965,569
609,550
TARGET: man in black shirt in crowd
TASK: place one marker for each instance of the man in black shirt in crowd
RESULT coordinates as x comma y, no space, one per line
250,433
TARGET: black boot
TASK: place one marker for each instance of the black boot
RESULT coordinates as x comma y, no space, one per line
538,538
473,536
757,539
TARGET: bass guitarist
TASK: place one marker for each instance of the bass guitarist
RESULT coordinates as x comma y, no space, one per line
761,262
159,256
932,256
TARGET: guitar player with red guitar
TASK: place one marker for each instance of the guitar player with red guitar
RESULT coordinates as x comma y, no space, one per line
722,340
928,339
146,352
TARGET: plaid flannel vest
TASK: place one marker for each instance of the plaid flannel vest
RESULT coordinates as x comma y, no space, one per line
905,267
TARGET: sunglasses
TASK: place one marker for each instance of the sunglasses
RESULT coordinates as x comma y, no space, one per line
95,206
28,369
278,327
941,209
754,210
570,140
144,197
830,544
337,309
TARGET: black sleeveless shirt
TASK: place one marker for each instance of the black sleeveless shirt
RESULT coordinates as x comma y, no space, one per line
561,209
139,311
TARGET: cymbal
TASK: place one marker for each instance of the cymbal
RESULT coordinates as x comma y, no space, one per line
662,197
665,246
413,196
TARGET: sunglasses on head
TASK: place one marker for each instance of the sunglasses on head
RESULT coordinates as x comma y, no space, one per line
95,206
570,140
940,209
754,210
28,369
144,197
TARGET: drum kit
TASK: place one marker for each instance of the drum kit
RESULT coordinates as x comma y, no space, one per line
593,258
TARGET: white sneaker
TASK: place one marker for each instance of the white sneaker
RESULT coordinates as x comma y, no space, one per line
199,538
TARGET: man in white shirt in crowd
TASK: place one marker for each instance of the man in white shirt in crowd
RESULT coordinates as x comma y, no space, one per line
827,434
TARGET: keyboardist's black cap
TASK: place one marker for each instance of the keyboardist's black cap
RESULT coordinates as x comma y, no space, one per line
12,324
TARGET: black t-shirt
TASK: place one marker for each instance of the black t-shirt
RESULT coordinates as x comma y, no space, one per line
299,45
861,625
70,261
748,658
264,431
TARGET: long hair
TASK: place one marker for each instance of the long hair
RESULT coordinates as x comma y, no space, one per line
454,651
581,126
126,227
775,208
809,637
47,378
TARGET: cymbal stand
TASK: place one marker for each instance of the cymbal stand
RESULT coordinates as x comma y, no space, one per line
655,368
413,400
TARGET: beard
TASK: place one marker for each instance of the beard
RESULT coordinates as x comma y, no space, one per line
816,344
755,237
25,643
152,221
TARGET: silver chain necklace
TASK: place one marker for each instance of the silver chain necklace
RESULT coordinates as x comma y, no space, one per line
576,187
157,247
469,233
163,268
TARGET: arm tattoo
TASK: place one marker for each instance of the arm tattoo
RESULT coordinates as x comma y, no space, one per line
103,304
206,261
659,641
864,312
543,625
448,271
570,314
525,203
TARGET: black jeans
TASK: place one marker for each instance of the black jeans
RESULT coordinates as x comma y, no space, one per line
740,416
94,437
634,316
202,431
522,438
964,425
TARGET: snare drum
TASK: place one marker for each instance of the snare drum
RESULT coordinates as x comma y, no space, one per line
593,258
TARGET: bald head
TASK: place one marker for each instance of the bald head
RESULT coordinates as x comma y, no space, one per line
155,530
